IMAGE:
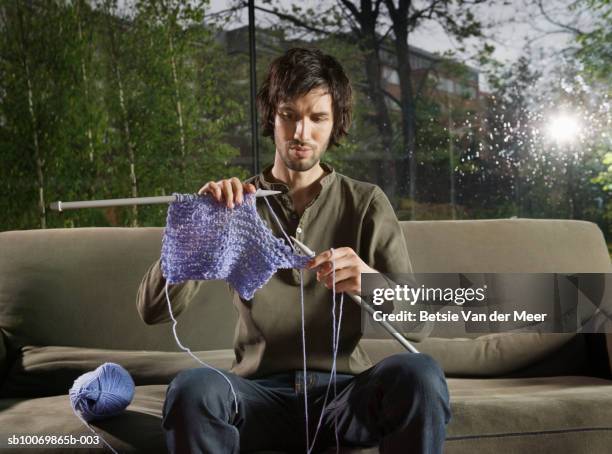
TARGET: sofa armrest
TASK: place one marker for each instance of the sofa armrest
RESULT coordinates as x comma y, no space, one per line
609,348
3,358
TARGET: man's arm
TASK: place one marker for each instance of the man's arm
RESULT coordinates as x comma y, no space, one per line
386,249
151,298
383,249
384,246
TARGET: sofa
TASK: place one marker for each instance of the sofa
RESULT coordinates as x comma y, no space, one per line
67,304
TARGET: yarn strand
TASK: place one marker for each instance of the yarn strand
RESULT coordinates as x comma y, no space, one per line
335,342
332,377
303,327
278,223
176,270
305,370
94,432
188,350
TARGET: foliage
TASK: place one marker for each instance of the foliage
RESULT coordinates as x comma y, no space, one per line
152,92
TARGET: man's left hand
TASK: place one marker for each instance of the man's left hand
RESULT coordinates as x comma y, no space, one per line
349,267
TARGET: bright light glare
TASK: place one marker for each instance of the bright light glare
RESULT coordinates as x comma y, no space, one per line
563,128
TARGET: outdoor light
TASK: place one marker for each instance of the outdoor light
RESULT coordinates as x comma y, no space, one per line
563,128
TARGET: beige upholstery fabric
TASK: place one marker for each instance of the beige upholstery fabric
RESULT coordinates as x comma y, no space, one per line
494,355
609,346
507,246
48,371
555,414
502,246
58,287
544,414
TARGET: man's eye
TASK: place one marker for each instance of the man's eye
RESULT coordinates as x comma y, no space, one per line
285,115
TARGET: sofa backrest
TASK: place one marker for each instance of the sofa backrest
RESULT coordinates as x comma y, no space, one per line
507,246
77,287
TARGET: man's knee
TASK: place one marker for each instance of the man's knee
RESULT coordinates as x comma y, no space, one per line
418,373
197,388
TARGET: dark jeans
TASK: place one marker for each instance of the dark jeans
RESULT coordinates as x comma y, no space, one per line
400,404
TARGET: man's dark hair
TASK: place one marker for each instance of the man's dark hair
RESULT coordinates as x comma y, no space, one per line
297,72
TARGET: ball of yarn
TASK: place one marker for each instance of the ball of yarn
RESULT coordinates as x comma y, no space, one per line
102,393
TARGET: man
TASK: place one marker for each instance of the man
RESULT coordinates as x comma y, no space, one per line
401,403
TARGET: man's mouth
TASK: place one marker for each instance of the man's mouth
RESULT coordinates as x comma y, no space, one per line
301,151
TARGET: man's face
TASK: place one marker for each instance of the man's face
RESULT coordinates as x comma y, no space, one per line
302,128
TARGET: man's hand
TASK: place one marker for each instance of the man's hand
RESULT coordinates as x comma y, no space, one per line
349,267
229,191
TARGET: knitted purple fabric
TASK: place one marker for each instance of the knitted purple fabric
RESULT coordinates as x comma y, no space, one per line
204,239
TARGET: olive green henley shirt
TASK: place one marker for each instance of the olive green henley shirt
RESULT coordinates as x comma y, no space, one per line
267,339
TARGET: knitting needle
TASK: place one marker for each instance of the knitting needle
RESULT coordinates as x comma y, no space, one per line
401,339
61,206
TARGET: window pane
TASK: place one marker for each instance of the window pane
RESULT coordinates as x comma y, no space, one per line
455,125
116,99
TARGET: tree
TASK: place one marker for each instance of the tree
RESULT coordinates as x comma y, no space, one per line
101,103
364,24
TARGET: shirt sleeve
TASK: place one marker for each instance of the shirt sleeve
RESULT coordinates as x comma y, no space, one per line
151,298
386,251
385,247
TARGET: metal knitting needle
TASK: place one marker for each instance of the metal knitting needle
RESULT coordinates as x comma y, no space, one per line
386,325
61,206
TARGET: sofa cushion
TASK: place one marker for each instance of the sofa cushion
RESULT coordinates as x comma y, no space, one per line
78,287
488,415
136,429
496,355
47,371
609,349
568,414
3,358
507,246
503,246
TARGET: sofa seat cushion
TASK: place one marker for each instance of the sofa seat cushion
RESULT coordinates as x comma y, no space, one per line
565,414
51,370
138,429
568,414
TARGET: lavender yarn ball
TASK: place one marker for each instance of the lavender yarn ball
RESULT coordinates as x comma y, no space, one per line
102,393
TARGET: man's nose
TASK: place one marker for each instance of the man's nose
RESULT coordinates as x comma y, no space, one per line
302,130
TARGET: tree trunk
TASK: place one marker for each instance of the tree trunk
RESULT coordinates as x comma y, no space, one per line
383,121
177,94
400,30
85,80
124,114
38,159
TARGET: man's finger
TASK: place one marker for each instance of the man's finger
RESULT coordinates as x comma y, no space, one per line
341,275
228,193
347,287
211,188
326,256
237,189
326,269
319,259
206,188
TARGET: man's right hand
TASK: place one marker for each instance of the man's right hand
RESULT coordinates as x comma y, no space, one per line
229,191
